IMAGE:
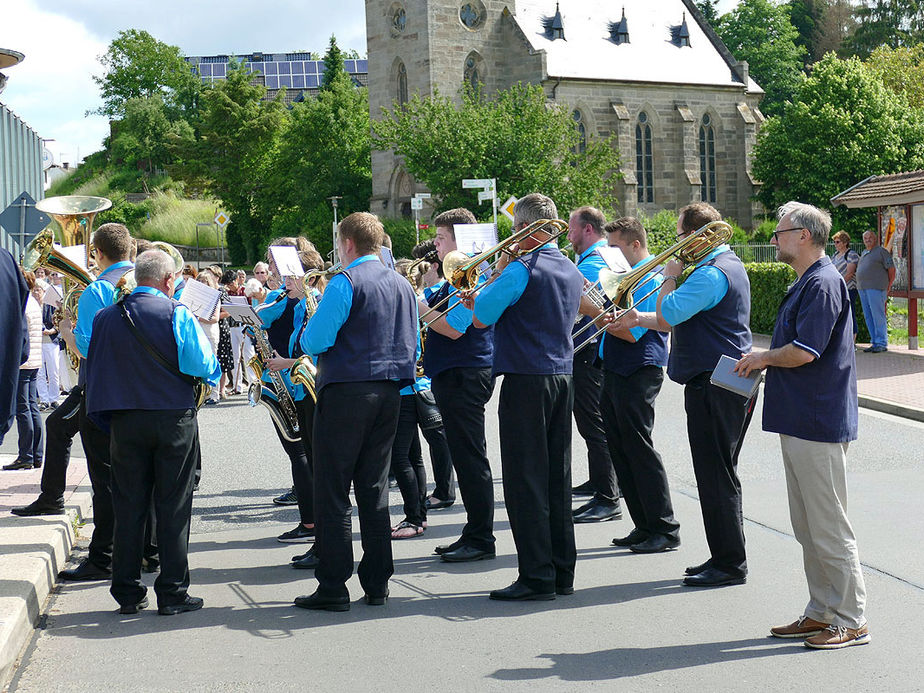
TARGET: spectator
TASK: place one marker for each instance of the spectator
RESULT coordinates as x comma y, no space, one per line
845,261
48,391
875,274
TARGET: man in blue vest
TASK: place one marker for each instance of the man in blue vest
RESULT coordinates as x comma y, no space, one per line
634,361
708,317
532,304
585,231
112,247
137,359
458,359
363,339
810,399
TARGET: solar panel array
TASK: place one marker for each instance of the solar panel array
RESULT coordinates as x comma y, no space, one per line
277,74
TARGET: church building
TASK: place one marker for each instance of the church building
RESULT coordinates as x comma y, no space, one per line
653,72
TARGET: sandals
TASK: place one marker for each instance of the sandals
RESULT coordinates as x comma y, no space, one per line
406,530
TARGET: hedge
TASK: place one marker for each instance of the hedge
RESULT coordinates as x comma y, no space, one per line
769,282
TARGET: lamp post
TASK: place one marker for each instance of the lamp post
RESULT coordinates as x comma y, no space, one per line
334,200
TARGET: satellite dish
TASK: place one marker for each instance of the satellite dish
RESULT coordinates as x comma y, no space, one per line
48,159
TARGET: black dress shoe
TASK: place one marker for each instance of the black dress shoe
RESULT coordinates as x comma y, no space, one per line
434,503
446,548
655,544
322,603
636,536
564,590
17,464
307,562
128,609
697,569
188,604
85,572
376,600
36,508
465,553
150,565
518,592
713,577
599,510
585,489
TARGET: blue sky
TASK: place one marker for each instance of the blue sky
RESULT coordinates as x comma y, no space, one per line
52,88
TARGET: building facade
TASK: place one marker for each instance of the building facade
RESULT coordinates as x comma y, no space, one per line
20,169
684,111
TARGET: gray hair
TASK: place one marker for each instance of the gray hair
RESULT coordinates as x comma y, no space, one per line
534,207
260,266
803,216
252,287
153,266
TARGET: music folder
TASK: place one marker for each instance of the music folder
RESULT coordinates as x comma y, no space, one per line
725,377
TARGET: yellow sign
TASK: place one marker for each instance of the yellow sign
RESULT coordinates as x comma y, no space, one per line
221,219
507,207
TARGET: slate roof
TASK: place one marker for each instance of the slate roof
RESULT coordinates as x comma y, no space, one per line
876,191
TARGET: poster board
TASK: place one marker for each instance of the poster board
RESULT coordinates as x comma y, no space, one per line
893,236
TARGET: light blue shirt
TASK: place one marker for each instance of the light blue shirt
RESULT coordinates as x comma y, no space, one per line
94,298
420,384
194,352
649,285
503,292
700,291
271,311
458,317
589,263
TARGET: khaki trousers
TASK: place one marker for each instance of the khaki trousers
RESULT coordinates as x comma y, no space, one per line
816,479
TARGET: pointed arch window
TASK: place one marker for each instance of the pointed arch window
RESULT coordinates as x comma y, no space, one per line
707,160
402,84
473,71
578,119
643,159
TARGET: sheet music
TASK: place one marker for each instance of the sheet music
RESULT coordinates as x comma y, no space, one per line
53,296
286,259
201,299
75,253
475,238
240,300
614,258
243,313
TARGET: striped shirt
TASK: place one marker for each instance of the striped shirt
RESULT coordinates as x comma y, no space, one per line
841,262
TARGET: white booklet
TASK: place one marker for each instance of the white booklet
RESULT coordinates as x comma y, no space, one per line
201,299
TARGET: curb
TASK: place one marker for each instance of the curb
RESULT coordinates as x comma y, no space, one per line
888,407
34,549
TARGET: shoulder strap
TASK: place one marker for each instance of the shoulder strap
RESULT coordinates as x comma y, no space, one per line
156,355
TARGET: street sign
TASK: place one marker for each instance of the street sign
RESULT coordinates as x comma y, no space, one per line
507,207
22,220
485,195
416,203
486,183
422,196
222,219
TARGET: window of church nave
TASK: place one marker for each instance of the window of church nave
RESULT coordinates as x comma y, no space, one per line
578,118
707,160
643,159
474,69
398,19
471,14
402,84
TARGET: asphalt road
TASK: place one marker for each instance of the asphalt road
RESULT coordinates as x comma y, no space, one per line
629,624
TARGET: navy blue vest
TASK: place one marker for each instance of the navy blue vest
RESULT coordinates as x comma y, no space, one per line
474,349
698,343
585,319
279,332
624,358
121,374
533,336
378,341
110,276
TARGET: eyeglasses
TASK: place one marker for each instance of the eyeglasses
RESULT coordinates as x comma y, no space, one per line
776,234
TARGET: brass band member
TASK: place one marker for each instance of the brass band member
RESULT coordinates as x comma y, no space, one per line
533,303
364,337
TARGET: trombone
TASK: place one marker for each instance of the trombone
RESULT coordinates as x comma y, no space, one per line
462,271
618,287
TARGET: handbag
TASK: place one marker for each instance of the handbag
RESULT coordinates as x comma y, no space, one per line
200,387
428,414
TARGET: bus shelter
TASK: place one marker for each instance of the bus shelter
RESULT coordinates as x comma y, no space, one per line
899,199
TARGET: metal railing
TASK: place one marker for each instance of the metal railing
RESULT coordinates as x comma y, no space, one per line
764,252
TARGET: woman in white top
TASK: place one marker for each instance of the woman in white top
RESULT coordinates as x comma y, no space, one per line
28,419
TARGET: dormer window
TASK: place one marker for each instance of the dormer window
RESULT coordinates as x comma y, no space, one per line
554,27
619,31
680,35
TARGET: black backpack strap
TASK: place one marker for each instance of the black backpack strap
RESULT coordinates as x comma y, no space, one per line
156,355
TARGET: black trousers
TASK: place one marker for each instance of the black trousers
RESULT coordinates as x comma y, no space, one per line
535,441
461,395
717,421
299,454
354,430
96,446
588,385
61,426
153,456
628,414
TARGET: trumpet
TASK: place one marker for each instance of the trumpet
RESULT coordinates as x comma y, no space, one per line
618,287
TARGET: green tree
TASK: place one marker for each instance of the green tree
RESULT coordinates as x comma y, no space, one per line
333,64
514,136
139,66
761,33
901,70
842,126
805,16
708,9
230,155
141,136
891,23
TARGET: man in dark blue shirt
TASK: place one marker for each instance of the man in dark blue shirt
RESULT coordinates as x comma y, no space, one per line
810,399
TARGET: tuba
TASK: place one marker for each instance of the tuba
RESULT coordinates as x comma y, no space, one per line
127,282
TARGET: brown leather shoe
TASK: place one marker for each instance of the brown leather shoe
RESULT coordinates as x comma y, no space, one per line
803,628
835,637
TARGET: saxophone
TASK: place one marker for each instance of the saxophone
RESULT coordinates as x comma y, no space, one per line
303,372
280,403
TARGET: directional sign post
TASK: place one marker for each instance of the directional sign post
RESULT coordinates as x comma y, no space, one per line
417,205
222,219
27,221
489,191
